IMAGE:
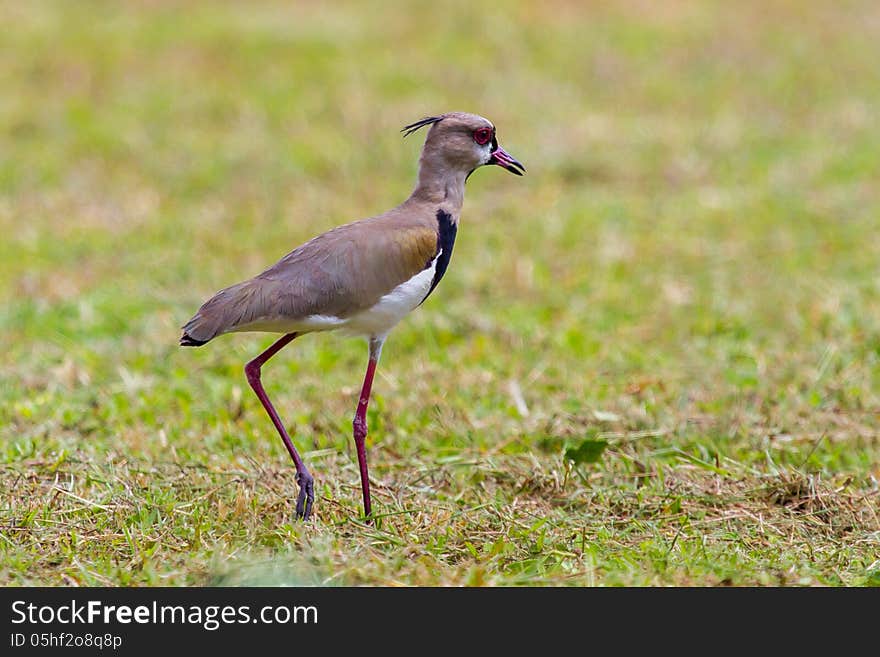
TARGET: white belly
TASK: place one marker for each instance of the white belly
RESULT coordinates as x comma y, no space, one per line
391,308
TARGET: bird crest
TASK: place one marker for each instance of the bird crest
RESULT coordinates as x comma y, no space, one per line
407,130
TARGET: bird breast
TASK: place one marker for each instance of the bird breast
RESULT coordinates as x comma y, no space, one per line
380,318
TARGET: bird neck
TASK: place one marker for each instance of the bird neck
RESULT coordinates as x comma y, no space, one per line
439,183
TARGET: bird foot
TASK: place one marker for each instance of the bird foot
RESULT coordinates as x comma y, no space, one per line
306,495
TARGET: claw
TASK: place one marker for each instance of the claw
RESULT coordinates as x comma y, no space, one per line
306,496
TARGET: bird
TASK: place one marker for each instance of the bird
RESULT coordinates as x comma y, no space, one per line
359,278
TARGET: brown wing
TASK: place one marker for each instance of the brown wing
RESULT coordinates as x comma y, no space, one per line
338,273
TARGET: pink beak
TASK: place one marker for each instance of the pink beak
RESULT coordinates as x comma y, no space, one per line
504,159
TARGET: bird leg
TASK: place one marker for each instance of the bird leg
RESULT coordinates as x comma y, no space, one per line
360,421
303,478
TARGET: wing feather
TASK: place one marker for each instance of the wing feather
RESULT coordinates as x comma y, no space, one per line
337,274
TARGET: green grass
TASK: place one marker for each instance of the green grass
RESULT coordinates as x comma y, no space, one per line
688,271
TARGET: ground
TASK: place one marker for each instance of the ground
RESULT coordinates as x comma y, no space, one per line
688,273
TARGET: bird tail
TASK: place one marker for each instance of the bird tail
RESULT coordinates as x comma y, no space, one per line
204,326
186,340
220,314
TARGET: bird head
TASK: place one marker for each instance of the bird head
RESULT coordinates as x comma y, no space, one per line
464,141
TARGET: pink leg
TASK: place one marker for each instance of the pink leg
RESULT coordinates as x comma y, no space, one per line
360,421
303,478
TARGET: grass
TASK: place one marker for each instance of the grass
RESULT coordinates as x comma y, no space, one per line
688,272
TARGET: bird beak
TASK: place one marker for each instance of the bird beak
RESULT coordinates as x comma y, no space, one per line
504,159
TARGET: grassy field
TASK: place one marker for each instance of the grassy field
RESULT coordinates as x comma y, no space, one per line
688,272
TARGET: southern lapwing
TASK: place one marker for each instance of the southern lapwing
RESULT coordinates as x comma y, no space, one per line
361,278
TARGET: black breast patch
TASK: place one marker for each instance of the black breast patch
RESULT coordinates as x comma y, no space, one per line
446,230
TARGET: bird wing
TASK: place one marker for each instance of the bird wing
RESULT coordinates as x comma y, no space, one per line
336,274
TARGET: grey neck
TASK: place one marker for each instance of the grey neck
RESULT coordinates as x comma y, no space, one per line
440,184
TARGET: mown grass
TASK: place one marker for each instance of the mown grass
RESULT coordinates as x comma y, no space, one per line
688,271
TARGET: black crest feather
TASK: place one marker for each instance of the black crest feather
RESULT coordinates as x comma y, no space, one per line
412,127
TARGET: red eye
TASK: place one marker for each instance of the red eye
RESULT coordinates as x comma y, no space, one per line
482,136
